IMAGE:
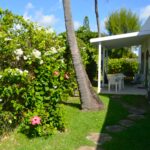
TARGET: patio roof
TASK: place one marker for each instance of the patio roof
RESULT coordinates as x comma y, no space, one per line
124,40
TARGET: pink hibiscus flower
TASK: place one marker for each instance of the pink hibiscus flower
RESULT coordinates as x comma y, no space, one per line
35,120
66,76
56,73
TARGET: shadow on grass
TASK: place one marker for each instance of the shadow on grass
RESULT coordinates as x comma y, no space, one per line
72,104
135,137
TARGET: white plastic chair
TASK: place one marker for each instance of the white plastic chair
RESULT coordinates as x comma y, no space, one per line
120,77
113,80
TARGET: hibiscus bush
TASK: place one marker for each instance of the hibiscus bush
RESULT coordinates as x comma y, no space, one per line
34,77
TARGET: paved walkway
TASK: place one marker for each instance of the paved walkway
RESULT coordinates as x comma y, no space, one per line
99,138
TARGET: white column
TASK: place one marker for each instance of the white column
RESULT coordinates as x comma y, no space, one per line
139,54
103,67
139,58
106,61
99,67
145,61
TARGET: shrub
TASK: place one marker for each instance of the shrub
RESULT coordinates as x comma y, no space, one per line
123,65
34,77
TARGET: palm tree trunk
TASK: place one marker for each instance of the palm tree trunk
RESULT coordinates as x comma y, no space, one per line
88,97
97,17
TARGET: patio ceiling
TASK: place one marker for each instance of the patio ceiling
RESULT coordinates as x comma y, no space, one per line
122,40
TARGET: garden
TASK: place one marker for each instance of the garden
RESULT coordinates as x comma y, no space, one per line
80,124
34,77
38,107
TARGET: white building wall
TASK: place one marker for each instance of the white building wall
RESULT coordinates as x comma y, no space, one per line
146,25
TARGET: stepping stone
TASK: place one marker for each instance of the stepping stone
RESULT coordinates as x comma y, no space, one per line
87,148
116,96
136,117
126,123
99,138
115,128
136,111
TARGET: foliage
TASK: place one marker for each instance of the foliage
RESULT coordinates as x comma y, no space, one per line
122,21
89,53
34,76
86,23
85,34
124,65
119,22
121,52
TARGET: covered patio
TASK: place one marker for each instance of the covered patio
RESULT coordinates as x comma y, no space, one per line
128,90
119,41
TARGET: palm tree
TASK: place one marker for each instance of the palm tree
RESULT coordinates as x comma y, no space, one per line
88,97
97,17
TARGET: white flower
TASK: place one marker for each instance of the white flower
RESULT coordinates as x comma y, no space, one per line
10,121
0,76
18,52
26,71
17,58
62,60
41,62
18,26
25,57
53,49
55,87
0,100
8,39
20,71
16,69
36,53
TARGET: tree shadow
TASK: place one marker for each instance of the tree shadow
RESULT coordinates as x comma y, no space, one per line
134,137
72,104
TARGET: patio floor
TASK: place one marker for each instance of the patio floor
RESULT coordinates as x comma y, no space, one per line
128,89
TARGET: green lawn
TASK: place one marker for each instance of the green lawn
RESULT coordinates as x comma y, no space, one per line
80,124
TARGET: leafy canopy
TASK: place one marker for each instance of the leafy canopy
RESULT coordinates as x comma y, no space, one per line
122,21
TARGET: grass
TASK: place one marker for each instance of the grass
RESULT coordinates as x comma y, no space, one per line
136,137
80,124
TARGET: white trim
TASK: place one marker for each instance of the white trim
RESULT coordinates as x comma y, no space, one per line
99,67
120,36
